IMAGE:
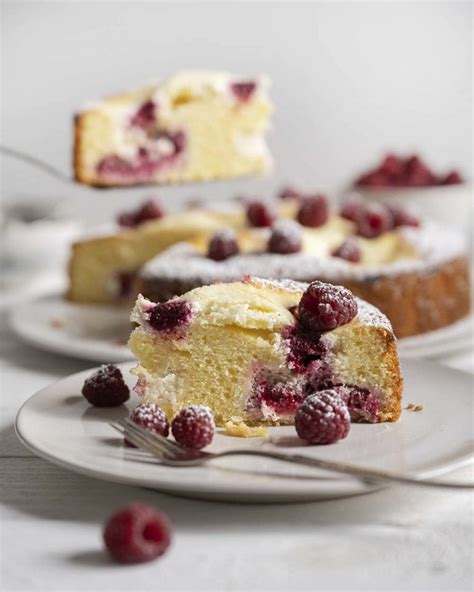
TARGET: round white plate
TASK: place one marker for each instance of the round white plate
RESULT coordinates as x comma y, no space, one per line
99,333
86,331
58,425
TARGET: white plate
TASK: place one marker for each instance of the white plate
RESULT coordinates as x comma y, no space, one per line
89,332
58,425
99,333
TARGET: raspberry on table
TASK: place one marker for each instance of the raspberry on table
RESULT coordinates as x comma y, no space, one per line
193,427
285,238
152,418
106,387
170,316
137,533
223,245
323,418
314,211
348,250
374,220
326,306
260,214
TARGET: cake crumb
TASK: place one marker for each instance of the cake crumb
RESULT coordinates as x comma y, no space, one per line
414,407
242,430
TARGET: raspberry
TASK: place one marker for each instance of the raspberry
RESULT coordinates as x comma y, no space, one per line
452,178
106,387
285,238
193,427
348,250
223,245
323,418
416,173
352,208
171,315
243,90
152,418
137,533
290,193
314,211
259,214
391,165
150,210
373,221
145,116
325,306
363,404
376,179
403,218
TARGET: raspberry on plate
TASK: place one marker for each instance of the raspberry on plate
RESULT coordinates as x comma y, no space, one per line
152,418
326,306
260,214
106,387
193,427
285,238
137,533
223,245
323,418
314,211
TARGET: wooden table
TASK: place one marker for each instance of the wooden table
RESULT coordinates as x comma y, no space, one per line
399,538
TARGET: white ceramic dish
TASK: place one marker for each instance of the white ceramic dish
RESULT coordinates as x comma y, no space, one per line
99,333
57,424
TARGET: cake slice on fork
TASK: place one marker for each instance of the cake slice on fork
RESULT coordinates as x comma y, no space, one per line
253,350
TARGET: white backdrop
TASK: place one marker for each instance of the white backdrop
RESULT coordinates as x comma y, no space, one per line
350,80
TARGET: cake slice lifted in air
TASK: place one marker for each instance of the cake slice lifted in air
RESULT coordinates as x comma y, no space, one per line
251,352
194,126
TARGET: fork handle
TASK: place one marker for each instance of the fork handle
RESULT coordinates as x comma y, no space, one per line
363,473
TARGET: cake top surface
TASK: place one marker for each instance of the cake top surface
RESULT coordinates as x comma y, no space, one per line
254,303
403,250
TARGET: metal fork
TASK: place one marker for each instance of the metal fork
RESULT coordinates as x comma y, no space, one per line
172,454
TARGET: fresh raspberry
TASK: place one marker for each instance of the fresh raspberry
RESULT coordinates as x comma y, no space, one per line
314,211
452,178
403,218
223,245
150,210
193,427
171,315
323,418
416,173
374,220
391,165
290,193
106,387
145,116
375,179
326,306
260,214
152,418
243,90
348,250
352,208
137,533
285,238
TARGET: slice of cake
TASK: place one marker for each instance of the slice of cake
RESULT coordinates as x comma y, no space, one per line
194,126
253,350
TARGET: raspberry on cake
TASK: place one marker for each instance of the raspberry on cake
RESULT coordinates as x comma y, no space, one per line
194,126
243,353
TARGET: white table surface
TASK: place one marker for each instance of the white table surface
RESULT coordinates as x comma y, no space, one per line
397,539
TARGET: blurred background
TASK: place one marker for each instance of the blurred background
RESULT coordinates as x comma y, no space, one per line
351,81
